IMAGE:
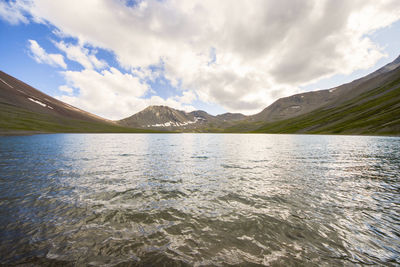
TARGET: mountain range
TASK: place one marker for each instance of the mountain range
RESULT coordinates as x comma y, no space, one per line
369,105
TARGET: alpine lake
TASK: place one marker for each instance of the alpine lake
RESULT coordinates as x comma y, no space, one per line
199,200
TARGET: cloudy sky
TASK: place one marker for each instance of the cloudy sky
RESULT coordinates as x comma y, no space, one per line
115,57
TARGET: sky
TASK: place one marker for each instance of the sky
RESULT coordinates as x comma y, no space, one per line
114,58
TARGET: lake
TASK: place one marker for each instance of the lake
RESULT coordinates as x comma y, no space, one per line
199,199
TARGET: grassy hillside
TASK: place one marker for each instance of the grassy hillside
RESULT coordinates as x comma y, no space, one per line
374,112
14,119
25,110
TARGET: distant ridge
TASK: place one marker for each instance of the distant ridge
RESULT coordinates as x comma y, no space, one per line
292,107
369,105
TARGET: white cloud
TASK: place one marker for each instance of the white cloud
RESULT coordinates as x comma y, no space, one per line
81,55
110,93
41,56
262,49
12,13
187,97
66,89
146,73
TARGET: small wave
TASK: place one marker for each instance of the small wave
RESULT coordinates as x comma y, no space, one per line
234,166
126,155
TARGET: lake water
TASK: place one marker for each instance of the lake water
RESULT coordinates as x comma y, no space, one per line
199,199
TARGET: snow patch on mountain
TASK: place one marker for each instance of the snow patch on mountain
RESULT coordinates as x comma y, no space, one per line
40,103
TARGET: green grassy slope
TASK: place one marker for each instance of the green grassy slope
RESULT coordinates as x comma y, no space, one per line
374,112
26,110
14,119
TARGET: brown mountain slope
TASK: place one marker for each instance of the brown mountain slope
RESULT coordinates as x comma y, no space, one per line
24,109
373,112
163,117
19,94
299,104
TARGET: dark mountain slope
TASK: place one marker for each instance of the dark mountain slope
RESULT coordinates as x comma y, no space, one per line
299,104
163,117
231,116
375,111
159,117
26,109
19,94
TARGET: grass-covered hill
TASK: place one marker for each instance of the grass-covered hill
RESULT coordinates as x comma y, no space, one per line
373,112
24,109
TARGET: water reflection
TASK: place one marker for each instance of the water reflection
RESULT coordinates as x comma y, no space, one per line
199,199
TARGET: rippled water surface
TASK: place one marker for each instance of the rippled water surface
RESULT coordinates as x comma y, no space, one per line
199,199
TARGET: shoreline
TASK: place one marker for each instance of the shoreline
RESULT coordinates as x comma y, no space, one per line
29,133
